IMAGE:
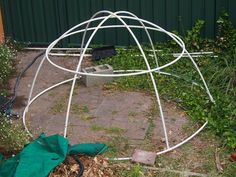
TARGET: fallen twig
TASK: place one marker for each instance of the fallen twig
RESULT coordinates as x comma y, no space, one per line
217,161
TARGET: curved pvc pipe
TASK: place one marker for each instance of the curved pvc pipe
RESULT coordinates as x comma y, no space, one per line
169,149
37,96
145,59
173,36
125,158
71,79
35,78
117,26
124,73
203,80
195,65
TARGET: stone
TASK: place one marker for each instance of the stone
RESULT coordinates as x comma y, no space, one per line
144,157
97,80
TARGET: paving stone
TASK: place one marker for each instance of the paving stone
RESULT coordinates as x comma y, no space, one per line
144,157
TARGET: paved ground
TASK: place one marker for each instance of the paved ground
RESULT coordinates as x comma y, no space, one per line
97,114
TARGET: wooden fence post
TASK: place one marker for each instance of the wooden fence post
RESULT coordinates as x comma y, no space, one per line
1,29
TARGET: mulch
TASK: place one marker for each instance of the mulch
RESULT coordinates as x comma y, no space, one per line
93,167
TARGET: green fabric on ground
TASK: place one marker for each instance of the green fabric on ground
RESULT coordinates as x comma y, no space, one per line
87,149
42,155
1,157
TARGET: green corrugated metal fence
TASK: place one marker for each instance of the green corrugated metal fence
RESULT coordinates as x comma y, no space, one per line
42,21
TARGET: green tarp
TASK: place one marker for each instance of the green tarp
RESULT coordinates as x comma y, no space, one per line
42,155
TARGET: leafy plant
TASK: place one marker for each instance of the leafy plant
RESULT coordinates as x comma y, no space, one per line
12,137
226,34
6,63
15,45
136,171
7,52
193,38
223,71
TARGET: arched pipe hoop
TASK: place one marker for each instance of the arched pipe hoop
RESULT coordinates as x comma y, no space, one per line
120,15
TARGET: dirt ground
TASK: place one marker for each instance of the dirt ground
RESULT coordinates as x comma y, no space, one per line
125,120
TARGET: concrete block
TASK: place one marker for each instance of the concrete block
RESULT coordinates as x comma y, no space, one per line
145,157
97,80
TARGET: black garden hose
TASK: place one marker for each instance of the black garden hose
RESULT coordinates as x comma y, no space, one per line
17,83
81,166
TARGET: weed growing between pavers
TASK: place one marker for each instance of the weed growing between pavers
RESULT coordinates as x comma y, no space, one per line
82,111
118,146
58,107
110,130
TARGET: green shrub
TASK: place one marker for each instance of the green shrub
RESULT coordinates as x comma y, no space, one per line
6,63
12,137
15,45
193,38
226,34
222,72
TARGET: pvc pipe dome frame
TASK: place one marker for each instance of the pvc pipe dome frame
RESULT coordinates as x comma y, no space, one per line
121,16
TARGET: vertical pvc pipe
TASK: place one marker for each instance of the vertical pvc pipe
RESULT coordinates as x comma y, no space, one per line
145,59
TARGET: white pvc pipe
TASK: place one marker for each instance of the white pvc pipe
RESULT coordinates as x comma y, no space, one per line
69,80
77,72
68,54
149,71
141,50
147,64
173,36
33,83
37,96
152,78
160,72
202,78
168,149
145,59
123,158
55,48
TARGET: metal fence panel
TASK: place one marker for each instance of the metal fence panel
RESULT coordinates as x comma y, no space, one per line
42,21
